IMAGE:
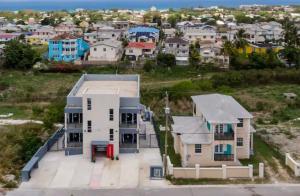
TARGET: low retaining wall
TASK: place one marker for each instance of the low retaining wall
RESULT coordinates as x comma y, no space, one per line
293,164
223,172
40,153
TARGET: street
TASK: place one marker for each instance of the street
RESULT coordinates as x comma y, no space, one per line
206,190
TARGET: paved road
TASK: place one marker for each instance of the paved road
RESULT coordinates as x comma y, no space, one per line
230,190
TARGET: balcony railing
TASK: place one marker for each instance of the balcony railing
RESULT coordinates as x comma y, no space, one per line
74,126
223,157
124,125
224,136
74,145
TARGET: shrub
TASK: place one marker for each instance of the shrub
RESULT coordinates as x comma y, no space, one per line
166,60
149,65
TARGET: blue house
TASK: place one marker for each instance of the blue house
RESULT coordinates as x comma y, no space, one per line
143,34
67,48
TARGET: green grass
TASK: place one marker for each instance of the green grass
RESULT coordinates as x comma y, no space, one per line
18,112
175,158
182,181
263,152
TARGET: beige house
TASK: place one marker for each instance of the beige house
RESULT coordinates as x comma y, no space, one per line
107,50
219,132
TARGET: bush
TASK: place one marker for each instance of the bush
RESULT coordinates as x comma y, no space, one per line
166,60
149,65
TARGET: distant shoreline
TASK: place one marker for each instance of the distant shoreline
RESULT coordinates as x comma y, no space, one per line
132,4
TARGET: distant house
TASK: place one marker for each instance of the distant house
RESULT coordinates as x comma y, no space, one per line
136,50
2,49
179,48
41,36
108,50
143,34
169,33
5,37
67,47
260,48
219,132
103,34
203,33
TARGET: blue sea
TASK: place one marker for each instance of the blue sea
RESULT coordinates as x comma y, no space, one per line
131,4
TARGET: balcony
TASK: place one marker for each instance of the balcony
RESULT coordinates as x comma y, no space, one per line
127,125
74,127
74,145
224,136
224,157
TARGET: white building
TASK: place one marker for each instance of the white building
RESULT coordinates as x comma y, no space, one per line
102,113
136,50
204,33
108,50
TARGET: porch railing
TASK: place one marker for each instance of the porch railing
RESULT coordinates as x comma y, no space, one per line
224,136
223,157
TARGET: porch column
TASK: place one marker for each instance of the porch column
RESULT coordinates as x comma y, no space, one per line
251,140
234,145
138,140
66,134
185,155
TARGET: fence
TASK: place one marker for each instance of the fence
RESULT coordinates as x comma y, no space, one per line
293,164
223,172
40,153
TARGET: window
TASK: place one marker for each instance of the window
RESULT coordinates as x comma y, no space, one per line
111,114
241,122
170,45
89,126
111,135
95,49
198,148
219,148
239,141
89,104
104,49
219,128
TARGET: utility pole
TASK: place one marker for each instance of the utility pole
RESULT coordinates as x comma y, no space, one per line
167,112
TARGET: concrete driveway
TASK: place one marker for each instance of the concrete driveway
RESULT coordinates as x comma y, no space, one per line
132,171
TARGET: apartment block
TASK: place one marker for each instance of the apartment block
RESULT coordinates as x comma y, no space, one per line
103,113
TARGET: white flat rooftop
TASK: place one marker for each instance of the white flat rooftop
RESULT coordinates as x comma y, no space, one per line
123,88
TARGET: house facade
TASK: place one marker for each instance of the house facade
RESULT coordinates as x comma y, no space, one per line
108,50
103,114
67,47
203,33
219,132
179,48
143,34
137,50
103,34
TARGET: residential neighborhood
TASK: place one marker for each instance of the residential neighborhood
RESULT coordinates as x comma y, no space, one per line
145,99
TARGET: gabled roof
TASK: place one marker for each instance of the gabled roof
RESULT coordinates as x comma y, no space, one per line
218,108
176,40
110,42
65,36
192,129
142,45
143,29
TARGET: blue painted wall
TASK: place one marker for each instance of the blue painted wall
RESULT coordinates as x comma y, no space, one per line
55,50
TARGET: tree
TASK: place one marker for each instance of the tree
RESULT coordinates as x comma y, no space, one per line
166,60
240,42
48,21
194,58
20,22
19,55
173,19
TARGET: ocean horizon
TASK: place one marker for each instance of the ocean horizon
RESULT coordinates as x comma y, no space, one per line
47,5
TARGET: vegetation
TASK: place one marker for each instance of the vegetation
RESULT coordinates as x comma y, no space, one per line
18,144
19,55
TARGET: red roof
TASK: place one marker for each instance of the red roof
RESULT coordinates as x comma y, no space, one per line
142,45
